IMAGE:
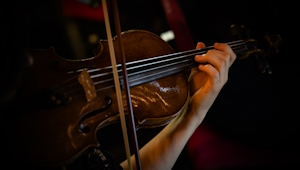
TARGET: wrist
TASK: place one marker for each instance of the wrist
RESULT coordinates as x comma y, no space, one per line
196,111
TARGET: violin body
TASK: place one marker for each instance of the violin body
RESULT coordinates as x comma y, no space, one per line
53,123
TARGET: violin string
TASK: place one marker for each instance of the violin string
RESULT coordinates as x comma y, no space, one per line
236,45
183,65
232,44
141,66
180,55
139,72
166,65
187,59
187,63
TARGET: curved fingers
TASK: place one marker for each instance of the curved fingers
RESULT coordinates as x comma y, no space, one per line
227,49
212,57
221,58
211,71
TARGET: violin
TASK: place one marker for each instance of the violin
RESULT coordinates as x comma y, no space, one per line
64,102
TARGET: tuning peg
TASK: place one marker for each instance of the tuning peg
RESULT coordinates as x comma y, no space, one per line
239,31
272,43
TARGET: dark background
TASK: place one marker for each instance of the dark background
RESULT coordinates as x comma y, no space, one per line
254,108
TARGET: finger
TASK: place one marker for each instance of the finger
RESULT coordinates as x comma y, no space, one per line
200,45
225,58
211,71
227,49
211,57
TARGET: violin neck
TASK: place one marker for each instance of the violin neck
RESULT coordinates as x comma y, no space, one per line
147,70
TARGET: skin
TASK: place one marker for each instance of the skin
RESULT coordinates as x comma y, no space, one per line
206,82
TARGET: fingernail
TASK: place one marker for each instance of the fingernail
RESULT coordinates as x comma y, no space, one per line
198,56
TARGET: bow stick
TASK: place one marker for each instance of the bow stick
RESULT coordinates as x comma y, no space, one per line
117,84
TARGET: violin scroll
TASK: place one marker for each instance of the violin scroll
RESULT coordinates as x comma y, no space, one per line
259,51
272,42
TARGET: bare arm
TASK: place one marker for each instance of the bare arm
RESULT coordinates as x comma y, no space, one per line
206,81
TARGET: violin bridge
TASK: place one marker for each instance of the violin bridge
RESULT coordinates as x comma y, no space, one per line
87,84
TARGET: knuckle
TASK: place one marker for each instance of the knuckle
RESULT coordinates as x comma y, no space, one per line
224,46
225,79
209,52
215,75
222,63
234,56
228,57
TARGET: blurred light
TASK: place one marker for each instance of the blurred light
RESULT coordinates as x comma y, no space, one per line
167,36
93,38
88,2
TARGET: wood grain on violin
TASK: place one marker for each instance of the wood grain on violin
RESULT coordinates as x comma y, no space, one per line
54,121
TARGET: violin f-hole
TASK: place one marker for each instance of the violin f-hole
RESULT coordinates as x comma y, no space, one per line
84,128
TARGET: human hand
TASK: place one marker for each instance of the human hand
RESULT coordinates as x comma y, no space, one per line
209,77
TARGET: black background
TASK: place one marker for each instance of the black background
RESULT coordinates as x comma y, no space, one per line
254,108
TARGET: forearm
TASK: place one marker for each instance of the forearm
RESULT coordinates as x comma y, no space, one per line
163,150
